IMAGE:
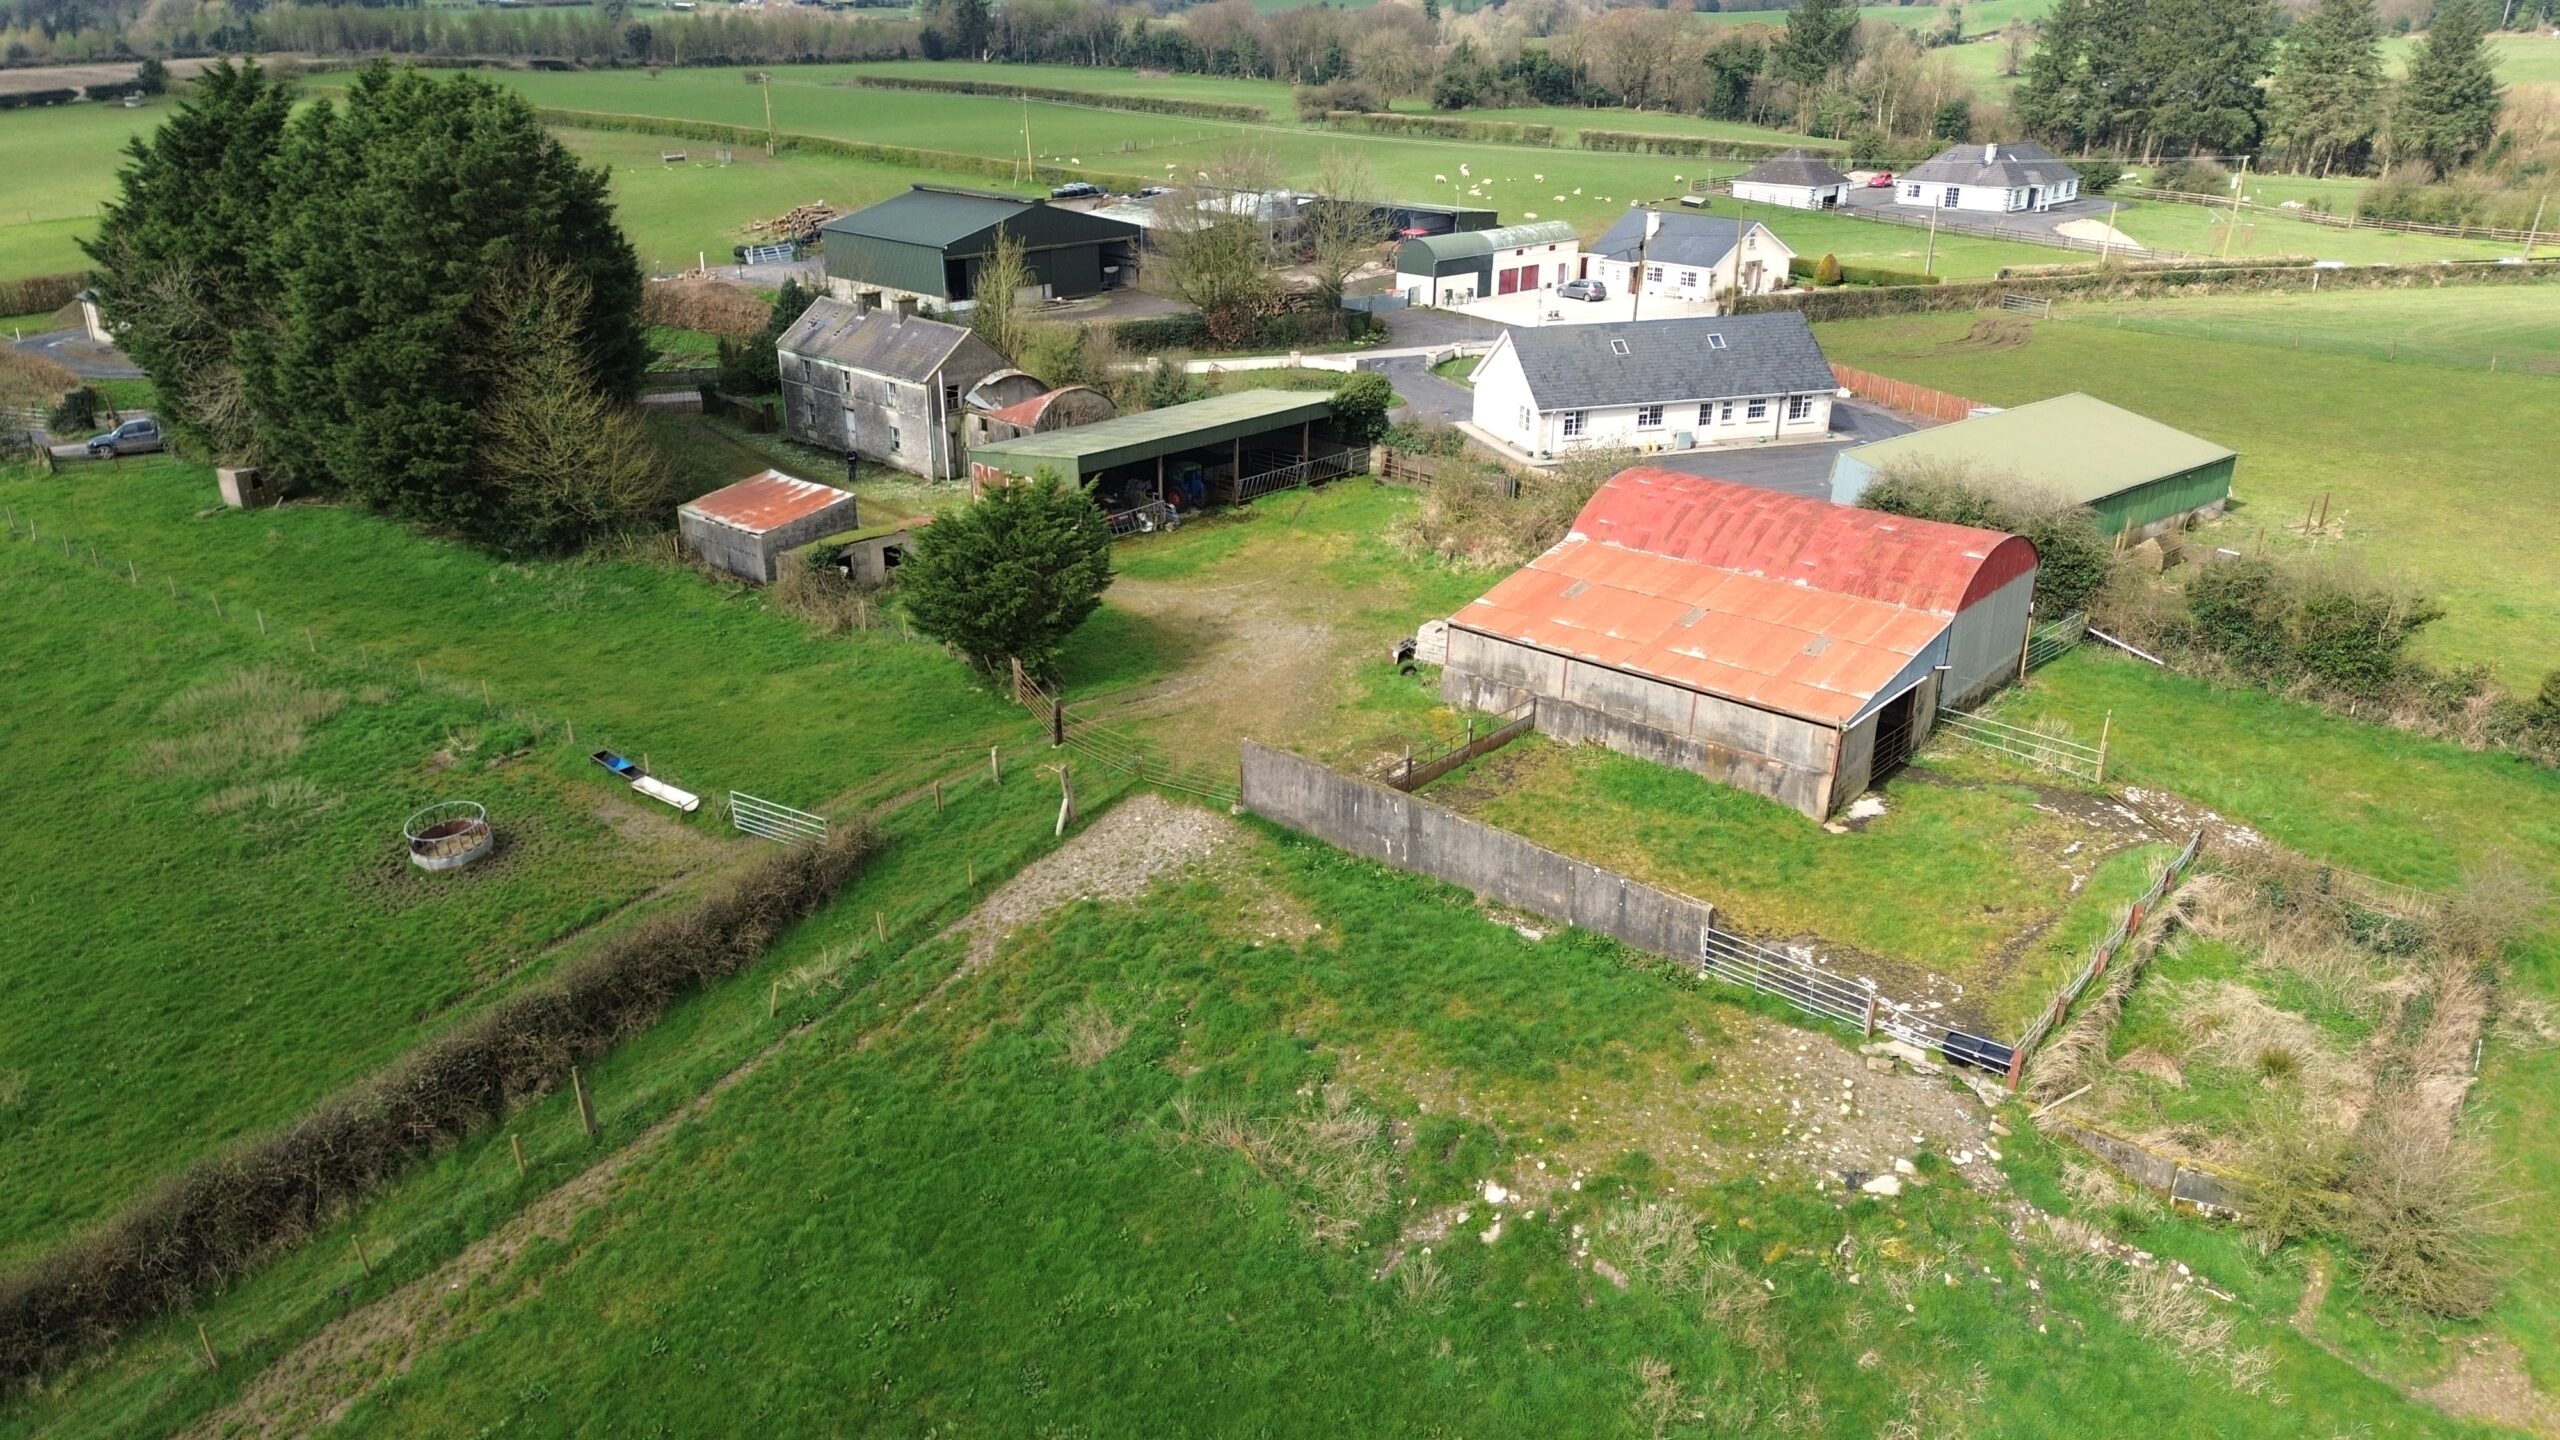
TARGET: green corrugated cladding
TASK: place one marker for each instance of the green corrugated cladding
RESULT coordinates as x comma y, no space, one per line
893,264
2169,495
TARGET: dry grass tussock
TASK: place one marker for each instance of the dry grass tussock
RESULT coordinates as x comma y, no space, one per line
1090,1034
825,598
1336,1164
2178,1316
1654,1242
1478,515
247,719
2077,1053
292,795
2232,1025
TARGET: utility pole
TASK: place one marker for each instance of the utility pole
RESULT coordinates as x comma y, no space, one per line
764,82
1028,167
2239,187
2535,232
1929,266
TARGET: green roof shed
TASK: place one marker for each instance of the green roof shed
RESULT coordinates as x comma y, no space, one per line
2136,475
931,240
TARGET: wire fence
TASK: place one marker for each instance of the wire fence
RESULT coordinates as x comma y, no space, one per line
2334,221
2102,954
2039,748
1120,751
1437,758
2411,348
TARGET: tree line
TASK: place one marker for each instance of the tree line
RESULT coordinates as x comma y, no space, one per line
2145,79
417,299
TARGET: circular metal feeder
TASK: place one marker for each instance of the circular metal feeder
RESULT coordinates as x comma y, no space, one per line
447,835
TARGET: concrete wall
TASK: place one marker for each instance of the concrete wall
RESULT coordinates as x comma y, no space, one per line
1791,761
1415,835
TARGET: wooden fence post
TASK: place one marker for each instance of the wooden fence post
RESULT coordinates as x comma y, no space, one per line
361,1257
516,1144
2017,1063
995,764
207,1342
586,1103
2106,732
1870,1027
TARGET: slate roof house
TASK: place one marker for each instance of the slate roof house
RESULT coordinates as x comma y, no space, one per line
1690,258
884,384
1655,384
1799,178
1782,645
2137,476
929,243
2000,177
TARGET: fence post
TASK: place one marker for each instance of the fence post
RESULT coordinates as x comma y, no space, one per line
2017,1063
1057,722
1870,1026
2106,732
586,1103
995,764
2026,647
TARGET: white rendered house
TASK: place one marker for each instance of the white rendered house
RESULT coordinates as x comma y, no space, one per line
1676,384
1999,178
1689,258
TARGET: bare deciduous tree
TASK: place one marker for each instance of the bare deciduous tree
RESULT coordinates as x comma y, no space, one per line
996,313
1341,230
1216,239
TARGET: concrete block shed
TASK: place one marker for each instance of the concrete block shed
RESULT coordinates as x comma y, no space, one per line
748,527
2137,476
1785,646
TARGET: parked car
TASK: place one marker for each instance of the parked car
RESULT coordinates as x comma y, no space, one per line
137,436
1076,190
1881,180
1582,290
1152,191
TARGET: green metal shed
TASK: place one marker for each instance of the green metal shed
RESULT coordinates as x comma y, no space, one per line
1082,451
930,241
2136,475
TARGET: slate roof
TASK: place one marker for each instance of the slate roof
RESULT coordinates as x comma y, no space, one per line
929,215
1684,239
1578,367
877,342
2010,163
1793,605
1796,167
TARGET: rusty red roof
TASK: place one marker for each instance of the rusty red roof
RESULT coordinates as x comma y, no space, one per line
767,501
1922,564
1747,594
1027,413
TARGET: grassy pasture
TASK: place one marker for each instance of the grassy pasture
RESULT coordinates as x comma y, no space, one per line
2457,326
648,658
216,924
2204,230
956,1226
63,160
2439,474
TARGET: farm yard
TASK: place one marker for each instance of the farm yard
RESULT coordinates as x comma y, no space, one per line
1093,1093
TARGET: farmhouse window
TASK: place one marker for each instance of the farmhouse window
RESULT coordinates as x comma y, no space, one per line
1910,192
1689,278
1653,272
1572,423
1728,412
1524,417
1707,413
1648,417
893,438
1799,407
1757,410
1955,193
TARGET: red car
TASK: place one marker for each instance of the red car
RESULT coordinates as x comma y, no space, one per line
1881,180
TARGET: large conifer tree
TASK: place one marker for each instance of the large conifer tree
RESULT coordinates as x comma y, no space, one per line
2448,106
2327,95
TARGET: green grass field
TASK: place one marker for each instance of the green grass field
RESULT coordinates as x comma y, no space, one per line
1980,16
2439,474
2204,230
951,1222
2460,325
63,164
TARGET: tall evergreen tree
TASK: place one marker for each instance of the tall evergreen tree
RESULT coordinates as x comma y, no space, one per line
2052,102
181,251
970,28
405,207
2449,103
2327,95
2205,58
2124,71
1816,40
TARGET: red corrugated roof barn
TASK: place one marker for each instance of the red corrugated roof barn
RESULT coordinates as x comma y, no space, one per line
1790,646
744,528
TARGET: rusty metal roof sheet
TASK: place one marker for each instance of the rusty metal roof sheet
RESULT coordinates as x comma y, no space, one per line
766,501
1027,413
1697,583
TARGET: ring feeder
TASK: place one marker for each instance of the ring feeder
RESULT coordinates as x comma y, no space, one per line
448,835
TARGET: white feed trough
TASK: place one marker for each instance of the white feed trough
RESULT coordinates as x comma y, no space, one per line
448,835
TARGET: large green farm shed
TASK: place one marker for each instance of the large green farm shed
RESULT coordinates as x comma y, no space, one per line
930,242
2136,475
1146,468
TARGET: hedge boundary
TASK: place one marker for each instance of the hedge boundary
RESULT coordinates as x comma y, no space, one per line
1195,109
1637,142
1845,304
46,293
1801,270
907,155
1442,127
224,1215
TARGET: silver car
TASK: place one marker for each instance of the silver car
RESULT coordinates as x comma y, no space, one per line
1582,290
137,436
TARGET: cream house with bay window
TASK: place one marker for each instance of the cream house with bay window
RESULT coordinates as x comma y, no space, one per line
1677,384
1673,255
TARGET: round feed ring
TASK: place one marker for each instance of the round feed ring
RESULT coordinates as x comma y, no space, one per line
448,835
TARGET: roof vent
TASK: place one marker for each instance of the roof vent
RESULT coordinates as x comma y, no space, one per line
1820,644
1696,614
1617,347
1715,342
1574,591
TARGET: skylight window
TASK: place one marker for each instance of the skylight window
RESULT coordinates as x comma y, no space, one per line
1617,347
1715,342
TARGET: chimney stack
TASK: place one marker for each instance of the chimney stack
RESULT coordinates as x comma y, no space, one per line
1991,153
905,305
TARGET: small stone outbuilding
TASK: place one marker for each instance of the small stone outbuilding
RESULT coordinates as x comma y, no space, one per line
747,528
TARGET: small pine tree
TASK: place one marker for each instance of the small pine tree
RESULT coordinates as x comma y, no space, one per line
1826,271
1012,575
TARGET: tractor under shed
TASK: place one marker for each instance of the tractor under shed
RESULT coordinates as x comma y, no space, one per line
1147,468
1785,646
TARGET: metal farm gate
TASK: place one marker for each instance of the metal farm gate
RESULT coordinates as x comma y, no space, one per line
778,823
